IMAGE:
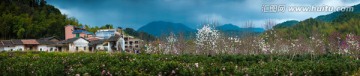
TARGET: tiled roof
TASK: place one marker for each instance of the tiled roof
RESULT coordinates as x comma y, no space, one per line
92,39
47,42
29,41
70,40
49,38
81,31
94,43
17,42
6,43
114,38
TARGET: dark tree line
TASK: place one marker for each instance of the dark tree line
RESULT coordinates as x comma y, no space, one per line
31,19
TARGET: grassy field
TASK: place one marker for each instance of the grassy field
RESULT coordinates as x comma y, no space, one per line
56,63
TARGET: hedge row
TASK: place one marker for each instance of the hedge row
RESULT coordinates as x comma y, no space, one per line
55,63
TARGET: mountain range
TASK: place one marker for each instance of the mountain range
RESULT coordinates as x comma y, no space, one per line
163,28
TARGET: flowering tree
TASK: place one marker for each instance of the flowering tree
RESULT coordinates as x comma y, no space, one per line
170,47
352,45
206,40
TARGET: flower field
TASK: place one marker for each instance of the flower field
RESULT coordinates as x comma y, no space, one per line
58,63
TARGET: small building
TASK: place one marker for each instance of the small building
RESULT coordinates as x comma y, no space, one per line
97,45
76,44
30,44
49,44
106,33
112,44
7,45
76,32
132,44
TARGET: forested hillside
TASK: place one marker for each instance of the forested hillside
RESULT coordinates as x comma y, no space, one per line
31,19
344,24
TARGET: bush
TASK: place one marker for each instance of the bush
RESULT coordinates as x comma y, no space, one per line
58,63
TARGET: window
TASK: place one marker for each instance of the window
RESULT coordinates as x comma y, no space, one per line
84,48
77,35
136,42
125,42
136,46
131,42
40,49
77,48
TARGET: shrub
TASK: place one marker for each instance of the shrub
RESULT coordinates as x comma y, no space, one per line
58,63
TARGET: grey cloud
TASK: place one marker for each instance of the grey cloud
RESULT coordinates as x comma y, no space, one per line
135,13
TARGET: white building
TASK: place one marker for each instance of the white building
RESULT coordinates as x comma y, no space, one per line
76,44
48,44
11,45
105,33
112,44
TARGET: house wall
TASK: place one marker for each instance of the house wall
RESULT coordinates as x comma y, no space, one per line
9,48
46,48
43,48
19,47
68,32
80,44
105,33
71,47
51,48
120,44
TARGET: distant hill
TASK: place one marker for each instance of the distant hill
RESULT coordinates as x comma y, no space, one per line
231,27
162,28
344,24
325,18
234,30
330,17
227,27
286,24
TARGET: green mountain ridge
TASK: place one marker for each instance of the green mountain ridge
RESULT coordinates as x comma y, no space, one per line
326,18
163,28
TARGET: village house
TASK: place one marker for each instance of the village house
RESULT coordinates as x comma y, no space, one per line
111,44
106,33
132,44
76,44
49,44
11,45
30,44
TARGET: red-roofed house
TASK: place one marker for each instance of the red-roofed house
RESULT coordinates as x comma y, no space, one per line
30,44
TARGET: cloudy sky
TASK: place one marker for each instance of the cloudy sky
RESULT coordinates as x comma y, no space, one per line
136,13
